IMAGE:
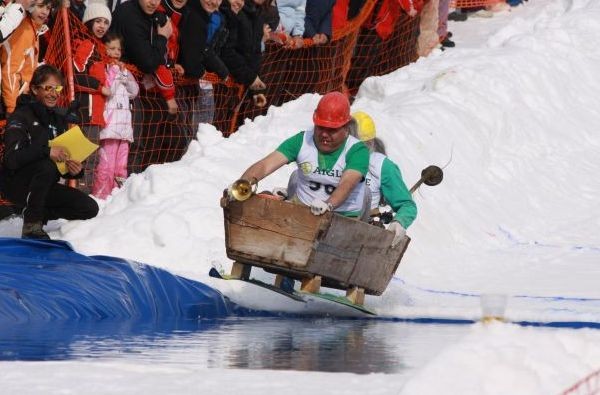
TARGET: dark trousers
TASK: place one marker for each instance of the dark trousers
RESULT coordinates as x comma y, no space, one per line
92,132
35,188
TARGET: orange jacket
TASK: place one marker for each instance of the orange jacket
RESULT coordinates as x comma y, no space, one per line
18,59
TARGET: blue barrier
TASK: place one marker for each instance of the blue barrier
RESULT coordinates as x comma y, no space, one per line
48,280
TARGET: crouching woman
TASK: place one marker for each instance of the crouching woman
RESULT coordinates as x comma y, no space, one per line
29,172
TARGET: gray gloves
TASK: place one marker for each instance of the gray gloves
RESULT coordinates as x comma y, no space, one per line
399,232
319,207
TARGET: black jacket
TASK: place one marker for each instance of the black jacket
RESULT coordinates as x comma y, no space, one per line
242,52
28,130
144,47
195,54
318,17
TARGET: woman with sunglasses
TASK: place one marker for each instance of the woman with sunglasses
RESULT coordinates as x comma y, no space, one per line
29,173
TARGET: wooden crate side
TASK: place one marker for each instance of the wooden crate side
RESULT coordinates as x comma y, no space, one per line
337,251
271,232
268,246
376,267
277,216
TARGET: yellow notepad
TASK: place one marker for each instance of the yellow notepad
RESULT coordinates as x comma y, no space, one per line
76,143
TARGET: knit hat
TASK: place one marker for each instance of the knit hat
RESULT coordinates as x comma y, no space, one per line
95,10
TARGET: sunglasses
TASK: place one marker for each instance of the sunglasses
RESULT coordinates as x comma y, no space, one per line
50,88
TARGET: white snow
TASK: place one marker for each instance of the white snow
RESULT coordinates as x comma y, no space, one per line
513,115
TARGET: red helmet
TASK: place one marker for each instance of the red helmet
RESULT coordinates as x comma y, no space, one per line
333,111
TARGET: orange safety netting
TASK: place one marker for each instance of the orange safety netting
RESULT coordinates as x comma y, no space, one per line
355,53
374,56
472,3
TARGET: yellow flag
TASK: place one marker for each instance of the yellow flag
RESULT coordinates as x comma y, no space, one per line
78,146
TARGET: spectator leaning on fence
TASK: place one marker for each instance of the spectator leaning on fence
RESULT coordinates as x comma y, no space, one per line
243,50
292,14
202,38
203,35
146,32
317,24
29,172
19,53
175,10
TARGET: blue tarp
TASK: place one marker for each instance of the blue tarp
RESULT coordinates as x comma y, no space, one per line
48,280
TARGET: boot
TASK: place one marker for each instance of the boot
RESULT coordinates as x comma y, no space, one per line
33,230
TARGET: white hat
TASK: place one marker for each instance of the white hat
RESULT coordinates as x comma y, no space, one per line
96,10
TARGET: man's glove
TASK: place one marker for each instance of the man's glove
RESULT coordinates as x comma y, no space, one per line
280,192
319,207
399,232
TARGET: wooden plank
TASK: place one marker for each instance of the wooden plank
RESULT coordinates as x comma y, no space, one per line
282,217
311,284
240,270
268,247
376,267
338,251
356,295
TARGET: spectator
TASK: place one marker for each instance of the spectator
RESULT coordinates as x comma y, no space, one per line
11,16
292,14
242,52
384,178
183,131
31,177
175,10
19,54
443,32
428,35
202,37
390,10
146,32
118,133
268,9
332,163
317,24
90,80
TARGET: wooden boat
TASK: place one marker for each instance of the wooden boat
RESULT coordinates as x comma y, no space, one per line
330,250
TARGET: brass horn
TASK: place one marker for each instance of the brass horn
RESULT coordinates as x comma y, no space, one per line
242,189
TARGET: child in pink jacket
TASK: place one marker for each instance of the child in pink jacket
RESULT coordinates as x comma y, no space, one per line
118,133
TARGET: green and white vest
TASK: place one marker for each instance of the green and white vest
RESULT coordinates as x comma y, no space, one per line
374,177
316,183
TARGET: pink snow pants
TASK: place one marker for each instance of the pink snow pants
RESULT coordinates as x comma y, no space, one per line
112,162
